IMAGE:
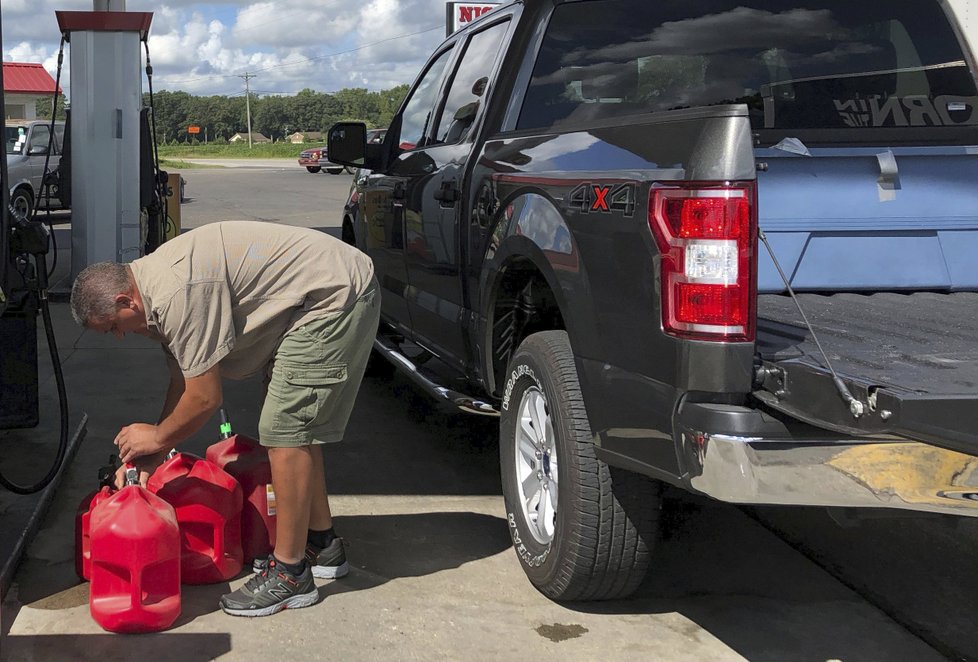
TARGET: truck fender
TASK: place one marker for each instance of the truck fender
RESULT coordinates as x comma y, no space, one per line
530,228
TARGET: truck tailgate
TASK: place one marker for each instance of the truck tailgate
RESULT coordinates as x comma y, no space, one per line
911,359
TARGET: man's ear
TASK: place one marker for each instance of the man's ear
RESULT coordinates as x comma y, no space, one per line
123,300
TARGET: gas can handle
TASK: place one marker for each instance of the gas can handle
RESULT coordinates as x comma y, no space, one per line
132,475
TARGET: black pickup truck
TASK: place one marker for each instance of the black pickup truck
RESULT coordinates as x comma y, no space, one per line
727,245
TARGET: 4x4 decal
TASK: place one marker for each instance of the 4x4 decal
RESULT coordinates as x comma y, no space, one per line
589,197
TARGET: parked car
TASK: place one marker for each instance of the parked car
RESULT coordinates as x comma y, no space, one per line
26,146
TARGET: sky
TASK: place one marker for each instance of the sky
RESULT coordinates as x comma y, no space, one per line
203,47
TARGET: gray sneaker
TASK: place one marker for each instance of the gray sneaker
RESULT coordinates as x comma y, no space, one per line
271,591
327,563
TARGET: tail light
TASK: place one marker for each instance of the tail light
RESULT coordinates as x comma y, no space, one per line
707,236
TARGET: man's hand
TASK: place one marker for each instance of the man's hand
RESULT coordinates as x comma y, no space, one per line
137,440
146,465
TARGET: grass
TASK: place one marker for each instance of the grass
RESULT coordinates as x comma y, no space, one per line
235,151
184,165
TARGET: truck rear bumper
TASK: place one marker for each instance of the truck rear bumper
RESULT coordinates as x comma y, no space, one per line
862,473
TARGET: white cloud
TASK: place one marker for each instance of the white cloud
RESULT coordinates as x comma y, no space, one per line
201,47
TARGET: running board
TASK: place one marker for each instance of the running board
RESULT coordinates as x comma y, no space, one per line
444,395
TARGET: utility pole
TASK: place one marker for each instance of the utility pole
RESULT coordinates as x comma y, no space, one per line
247,77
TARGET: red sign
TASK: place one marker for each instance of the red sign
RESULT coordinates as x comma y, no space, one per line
193,129
461,13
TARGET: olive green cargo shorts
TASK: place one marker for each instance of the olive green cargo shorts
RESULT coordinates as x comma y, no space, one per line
316,374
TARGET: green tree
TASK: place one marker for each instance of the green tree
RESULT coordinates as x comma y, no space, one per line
43,108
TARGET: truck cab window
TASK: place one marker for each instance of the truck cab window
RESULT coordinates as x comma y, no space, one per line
806,65
469,84
418,109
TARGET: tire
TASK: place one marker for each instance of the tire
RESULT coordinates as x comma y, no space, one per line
594,542
334,171
313,169
22,202
350,170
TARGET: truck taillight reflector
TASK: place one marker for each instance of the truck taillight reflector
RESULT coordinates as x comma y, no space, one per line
706,235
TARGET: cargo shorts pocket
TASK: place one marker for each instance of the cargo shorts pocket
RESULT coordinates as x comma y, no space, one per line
299,397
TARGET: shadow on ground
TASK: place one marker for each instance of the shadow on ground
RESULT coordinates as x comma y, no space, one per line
726,574
187,647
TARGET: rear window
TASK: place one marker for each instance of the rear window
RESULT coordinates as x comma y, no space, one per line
799,66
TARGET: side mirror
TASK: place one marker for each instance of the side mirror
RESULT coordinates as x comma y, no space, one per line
347,143
38,149
466,113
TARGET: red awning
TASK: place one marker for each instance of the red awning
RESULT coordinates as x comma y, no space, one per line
27,78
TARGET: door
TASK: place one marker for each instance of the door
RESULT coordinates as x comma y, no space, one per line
382,205
37,149
433,178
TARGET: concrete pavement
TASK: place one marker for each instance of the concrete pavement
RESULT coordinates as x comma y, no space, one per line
433,576
416,495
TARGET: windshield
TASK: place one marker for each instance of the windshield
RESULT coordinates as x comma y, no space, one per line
15,139
800,65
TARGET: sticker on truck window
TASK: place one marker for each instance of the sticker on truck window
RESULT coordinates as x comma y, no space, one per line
604,198
945,110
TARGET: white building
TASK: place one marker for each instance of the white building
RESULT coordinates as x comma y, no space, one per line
24,83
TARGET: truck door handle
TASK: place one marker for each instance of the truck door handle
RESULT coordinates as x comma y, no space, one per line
397,196
447,193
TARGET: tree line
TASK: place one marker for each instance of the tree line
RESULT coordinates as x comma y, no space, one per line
273,116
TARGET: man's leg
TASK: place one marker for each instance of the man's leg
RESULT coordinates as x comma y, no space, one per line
286,582
294,478
320,517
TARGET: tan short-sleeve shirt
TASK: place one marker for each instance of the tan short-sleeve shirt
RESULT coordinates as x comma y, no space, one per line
228,292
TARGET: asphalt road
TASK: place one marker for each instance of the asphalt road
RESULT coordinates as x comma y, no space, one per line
416,494
266,190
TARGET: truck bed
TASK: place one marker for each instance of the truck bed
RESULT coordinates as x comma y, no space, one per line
918,351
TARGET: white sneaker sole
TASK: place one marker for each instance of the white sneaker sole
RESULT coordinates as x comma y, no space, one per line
295,602
322,571
330,571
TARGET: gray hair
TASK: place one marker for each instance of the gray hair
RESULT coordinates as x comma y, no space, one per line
93,294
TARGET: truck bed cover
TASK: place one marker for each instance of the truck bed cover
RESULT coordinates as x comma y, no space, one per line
911,358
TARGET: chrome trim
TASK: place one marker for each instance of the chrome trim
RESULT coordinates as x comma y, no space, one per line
868,473
463,402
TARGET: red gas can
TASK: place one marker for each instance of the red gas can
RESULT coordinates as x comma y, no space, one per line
135,561
83,538
207,501
247,460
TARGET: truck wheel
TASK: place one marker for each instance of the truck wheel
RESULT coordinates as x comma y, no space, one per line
22,203
313,169
581,529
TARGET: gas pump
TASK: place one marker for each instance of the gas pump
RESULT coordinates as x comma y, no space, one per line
24,244
117,194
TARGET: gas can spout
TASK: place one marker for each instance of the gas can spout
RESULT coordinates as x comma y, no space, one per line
225,424
132,475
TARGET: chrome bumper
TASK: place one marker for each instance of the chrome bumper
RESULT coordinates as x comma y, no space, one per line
862,473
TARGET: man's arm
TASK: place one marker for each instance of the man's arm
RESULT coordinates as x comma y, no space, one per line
200,398
175,389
